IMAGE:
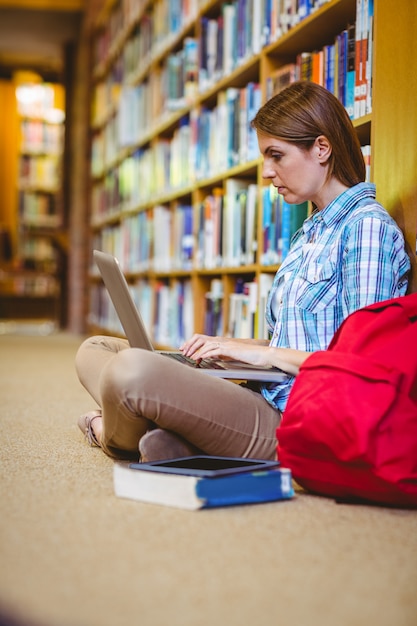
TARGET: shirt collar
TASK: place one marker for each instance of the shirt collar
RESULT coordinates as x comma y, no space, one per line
341,205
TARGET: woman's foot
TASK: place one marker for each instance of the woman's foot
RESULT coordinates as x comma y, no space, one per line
90,426
158,445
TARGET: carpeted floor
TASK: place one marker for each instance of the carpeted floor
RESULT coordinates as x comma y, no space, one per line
72,554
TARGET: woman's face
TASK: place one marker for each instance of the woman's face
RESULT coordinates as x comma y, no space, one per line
298,174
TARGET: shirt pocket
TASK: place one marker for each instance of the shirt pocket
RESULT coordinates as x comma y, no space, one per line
318,286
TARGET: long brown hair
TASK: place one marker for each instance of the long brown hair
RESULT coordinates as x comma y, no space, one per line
304,111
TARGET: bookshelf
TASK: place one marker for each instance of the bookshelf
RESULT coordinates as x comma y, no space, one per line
176,187
31,276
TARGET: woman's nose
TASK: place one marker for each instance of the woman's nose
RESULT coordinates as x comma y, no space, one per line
267,171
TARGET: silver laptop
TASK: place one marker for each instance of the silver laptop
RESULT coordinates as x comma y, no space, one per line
138,337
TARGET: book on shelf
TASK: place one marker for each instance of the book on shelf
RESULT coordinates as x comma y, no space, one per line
350,70
317,67
341,47
213,314
249,143
180,166
363,57
208,72
265,282
220,48
199,153
249,236
256,22
202,482
162,250
131,115
369,58
181,76
358,57
210,228
232,126
190,68
281,78
229,29
243,308
329,67
185,236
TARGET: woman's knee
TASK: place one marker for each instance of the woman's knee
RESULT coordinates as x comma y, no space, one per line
104,342
93,353
130,371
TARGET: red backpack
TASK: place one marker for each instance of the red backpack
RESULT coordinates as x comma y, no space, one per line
350,427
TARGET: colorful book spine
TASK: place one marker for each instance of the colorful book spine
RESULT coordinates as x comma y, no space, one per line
351,71
341,43
369,59
358,57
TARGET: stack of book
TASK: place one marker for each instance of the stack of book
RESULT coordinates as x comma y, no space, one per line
201,482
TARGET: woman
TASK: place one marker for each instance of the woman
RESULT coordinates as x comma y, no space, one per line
348,254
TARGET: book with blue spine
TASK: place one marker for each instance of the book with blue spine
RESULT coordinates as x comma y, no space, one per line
200,482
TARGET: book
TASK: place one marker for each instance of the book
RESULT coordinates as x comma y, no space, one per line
201,482
229,38
350,71
242,310
341,43
213,315
265,285
369,60
359,48
281,78
232,221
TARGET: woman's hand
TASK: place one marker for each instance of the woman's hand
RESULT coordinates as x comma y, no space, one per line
205,346
252,351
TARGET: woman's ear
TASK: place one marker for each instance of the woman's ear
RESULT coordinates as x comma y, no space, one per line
323,148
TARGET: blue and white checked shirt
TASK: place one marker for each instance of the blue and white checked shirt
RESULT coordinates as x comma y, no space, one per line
344,257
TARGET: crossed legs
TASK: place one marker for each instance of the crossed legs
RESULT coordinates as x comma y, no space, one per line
139,391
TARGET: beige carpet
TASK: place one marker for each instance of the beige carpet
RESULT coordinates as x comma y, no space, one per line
72,554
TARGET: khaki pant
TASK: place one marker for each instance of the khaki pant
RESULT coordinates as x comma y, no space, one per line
140,390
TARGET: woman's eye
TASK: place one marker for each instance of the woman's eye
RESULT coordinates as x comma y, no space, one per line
276,156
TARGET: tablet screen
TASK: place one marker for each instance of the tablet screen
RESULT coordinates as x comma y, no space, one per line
210,466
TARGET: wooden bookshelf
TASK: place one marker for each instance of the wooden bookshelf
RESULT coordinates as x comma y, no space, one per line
130,194
31,278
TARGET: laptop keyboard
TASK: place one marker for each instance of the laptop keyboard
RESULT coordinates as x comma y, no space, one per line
205,364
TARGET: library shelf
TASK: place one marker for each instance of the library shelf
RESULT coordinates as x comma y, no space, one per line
178,196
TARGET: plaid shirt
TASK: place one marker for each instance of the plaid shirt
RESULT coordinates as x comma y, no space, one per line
344,257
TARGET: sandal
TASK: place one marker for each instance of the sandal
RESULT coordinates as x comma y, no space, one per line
84,423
